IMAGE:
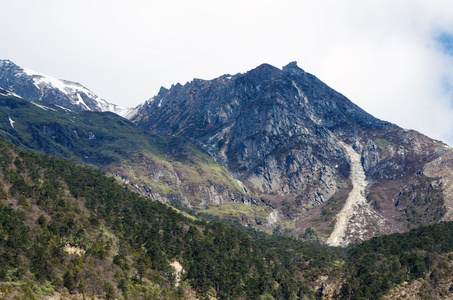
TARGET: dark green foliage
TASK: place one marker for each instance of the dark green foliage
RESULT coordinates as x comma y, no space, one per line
68,280
15,238
136,239
383,262
225,259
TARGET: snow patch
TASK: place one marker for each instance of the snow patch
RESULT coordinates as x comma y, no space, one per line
13,94
32,73
127,113
4,92
63,108
11,122
76,92
42,106
81,102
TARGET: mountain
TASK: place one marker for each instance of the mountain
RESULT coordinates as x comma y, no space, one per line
307,151
309,166
69,232
38,87
287,154
169,169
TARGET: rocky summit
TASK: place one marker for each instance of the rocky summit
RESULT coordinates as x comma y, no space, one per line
306,151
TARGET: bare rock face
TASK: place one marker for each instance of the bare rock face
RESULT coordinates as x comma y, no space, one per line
442,168
277,130
282,132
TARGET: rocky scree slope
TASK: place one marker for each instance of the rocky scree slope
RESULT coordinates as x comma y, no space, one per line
280,132
35,86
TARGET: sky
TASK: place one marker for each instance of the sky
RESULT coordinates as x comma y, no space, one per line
393,58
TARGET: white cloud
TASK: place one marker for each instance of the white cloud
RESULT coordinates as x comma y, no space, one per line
384,55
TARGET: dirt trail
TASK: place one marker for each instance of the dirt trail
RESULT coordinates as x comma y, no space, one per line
356,196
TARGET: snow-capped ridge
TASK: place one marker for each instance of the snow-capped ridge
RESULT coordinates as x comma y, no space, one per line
39,87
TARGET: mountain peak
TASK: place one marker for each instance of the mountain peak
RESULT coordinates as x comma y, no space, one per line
263,72
36,86
5,61
265,68
266,71
292,67
295,143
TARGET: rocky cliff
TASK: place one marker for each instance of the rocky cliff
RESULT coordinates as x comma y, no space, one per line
285,135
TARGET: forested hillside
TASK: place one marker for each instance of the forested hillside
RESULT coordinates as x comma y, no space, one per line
69,229
422,258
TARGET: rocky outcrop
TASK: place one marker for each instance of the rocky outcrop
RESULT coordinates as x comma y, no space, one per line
268,127
442,168
283,132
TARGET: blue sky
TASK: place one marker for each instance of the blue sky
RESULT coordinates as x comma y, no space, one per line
446,42
392,58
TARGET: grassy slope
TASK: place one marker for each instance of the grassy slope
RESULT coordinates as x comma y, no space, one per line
169,166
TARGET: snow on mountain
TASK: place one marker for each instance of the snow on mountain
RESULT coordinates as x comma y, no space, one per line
35,86
4,92
11,122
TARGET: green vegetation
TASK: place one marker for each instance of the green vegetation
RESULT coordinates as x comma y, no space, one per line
70,229
239,212
377,265
169,166
383,144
